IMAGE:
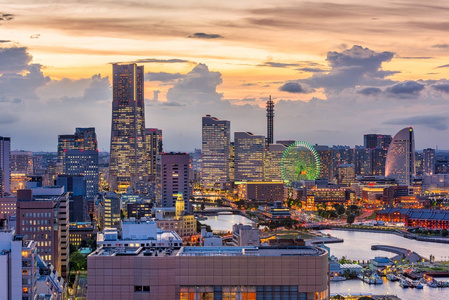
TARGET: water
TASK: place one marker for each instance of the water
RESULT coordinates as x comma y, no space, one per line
357,245
223,223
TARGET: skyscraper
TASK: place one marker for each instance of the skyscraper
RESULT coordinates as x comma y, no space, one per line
127,157
249,156
216,151
400,163
83,139
272,163
153,149
371,141
270,119
429,161
22,162
5,170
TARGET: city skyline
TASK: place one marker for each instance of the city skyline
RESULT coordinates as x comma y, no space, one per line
335,70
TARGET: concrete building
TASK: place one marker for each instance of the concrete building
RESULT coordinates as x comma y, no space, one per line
138,233
209,273
22,162
346,174
261,192
75,185
176,219
153,149
245,235
5,168
174,179
82,139
80,231
43,215
249,156
8,207
216,139
400,163
326,163
18,266
128,163
429,160
438,183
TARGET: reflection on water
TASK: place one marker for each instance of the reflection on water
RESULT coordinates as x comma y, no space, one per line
223,223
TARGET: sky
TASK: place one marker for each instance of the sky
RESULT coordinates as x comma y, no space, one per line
335,69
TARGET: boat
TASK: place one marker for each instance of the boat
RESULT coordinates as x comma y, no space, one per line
392,277
403,283
337,278
433,283
417,285
376,279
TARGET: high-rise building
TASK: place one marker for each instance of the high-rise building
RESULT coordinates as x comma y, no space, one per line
22,162
173,179
272,163
216,138
371,141
400,163
270,119
346,174
5,168
153,149
83,139
326,162
84,162
112,209
378,159
43,215
362,161
75,185
18,266
429,160
249,156
127,156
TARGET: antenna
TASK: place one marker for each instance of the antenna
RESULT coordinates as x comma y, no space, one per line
270,118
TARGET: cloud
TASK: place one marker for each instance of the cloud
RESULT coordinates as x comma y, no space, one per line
293,87
407,87
35,36
4,41
248,84
156,95
14,60
442,87
441,46
163,76
311,70
6,17
172,104
197,86
278,65
415,57
353,67
159,61
8,118
443,66
432,121
202,35
370,91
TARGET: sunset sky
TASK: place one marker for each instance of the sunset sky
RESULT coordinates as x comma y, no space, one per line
335,69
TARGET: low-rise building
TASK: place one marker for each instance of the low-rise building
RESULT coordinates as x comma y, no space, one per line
209,273
245,235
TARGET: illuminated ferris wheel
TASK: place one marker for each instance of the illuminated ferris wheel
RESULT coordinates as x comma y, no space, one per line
300,161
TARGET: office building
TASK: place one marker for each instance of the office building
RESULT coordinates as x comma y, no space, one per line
378,160
85,163
326,162
128,163
75,186
400,163
153,149
249,156
216,139
22,162
362,161
174,179
112,210
371,141
209,273
245,235
18,266
429,160
272,162
260,192
42,215
8,207
346,174
83,139
5,168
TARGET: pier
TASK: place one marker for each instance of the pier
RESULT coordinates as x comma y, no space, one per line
401,252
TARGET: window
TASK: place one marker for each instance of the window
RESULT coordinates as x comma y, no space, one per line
144,289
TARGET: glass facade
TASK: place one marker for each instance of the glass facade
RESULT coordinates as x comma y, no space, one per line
249,156
127,157
216,151
272,165
400,163
79,162
153,148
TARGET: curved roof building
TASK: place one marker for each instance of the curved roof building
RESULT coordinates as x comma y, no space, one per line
400,162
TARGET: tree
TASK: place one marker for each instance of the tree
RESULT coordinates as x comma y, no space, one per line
350,219
77,261
444,232
340,210
203,206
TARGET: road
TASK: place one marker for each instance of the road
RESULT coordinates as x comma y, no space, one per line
81,290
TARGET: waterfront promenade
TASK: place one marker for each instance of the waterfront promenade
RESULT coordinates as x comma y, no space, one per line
409,255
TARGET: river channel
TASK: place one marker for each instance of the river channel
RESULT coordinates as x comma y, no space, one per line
223,222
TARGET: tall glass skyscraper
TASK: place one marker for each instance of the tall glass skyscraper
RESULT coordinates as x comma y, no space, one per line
128,163
429,161
83,139
400,163
153,149
5,169
216,152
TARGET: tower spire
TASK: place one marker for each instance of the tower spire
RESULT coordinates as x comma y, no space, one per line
270,118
